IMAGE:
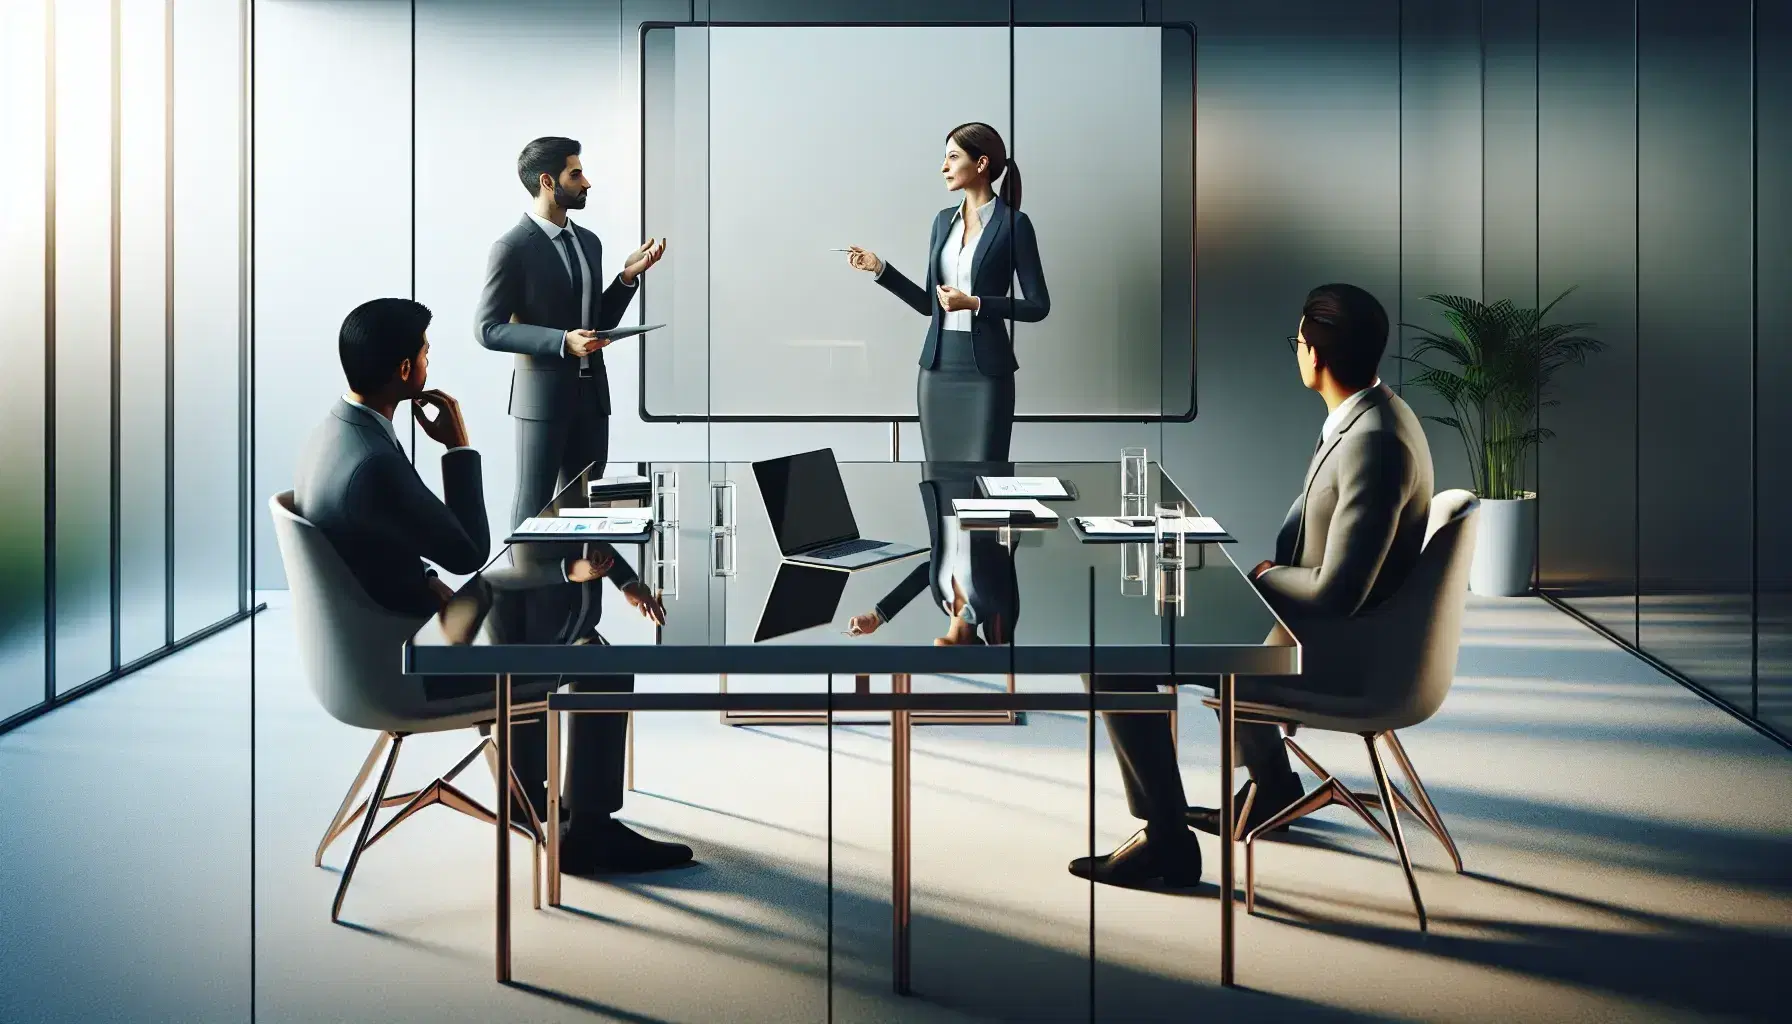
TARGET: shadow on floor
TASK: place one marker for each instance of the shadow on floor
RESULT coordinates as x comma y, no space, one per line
1688,965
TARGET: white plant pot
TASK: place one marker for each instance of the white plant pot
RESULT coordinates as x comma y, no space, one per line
1505,547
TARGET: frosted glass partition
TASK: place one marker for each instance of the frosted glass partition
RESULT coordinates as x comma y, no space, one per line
83,296
22,122
143,334
767,147
207,312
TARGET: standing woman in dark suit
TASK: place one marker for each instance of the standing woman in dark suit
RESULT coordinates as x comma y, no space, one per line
976,251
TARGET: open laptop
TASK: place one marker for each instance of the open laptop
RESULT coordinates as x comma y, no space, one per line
813,520
802,597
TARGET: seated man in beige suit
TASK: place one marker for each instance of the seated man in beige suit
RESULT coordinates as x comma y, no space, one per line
1351,538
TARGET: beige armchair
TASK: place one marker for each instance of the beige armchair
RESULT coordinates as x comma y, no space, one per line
1400,658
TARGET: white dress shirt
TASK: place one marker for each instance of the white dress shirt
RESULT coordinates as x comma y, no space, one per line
955,258
386,424
553,231
1336,417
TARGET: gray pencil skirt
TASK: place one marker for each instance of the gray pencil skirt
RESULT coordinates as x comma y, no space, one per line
965,416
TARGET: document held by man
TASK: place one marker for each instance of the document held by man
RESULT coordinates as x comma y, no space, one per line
582,521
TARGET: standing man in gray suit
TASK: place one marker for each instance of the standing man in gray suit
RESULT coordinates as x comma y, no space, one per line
541,302
1351,538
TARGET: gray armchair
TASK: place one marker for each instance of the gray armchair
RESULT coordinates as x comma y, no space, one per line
1378,672
350,652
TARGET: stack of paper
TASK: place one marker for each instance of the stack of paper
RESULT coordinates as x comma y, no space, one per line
1001,509
1144,526
1023,487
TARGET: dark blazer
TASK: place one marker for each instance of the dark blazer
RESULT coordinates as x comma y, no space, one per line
1007,248
992,600
1356,531
357,487
527,306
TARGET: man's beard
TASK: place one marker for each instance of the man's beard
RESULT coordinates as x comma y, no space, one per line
568,199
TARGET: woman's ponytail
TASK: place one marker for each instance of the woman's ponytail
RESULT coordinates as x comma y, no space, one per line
1010,189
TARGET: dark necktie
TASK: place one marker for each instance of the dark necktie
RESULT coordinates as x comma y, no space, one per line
577,274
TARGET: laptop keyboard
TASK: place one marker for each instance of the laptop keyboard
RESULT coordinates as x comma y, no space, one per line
846,547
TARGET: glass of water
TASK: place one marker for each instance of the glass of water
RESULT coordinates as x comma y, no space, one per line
665,496
1133,561
1170,551
1134,464
665,559
721,527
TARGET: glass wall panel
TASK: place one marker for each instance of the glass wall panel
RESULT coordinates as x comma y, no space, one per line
84,267
1773,417
1441,187
22,174
207,311
470,127
143,377
1587,241
1694,322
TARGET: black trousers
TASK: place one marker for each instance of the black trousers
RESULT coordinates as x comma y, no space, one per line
1147,751
549,453
597,744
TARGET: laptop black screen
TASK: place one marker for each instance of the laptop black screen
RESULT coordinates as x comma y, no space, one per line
802,597
806,501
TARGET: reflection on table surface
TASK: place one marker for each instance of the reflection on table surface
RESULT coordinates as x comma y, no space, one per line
1032,592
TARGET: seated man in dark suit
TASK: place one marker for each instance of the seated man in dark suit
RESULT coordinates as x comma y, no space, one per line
1351,538
358,487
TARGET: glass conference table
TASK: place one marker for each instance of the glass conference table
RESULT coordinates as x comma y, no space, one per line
1047,604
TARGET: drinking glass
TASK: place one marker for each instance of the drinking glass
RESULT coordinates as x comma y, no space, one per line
1133,559
665,496
1134,465
665,559
721,527
1170,544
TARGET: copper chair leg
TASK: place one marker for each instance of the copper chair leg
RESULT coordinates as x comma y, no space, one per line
901,867
1426,810
1244,813
341,820
1387,802
1344,796
373,805
553,824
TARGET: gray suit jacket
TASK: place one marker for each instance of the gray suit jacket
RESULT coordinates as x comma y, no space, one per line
1356,530
359,489
527,306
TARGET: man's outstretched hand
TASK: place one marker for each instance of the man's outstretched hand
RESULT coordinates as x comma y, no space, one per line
641,259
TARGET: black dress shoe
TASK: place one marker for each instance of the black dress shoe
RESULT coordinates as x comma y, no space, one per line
614,848
1269,802
1145,861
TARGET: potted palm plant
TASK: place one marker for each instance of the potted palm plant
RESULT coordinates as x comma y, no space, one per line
1504,359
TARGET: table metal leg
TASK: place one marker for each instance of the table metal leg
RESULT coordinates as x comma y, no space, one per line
899,838
1228,726
553,828
501,730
